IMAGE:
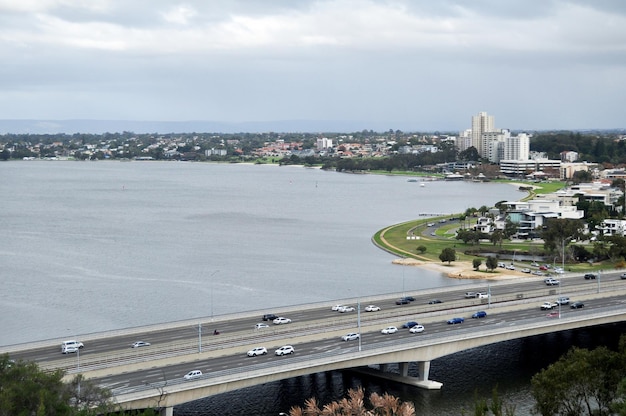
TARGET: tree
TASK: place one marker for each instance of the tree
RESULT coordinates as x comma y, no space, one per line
447,254
491,263
496,237
421,249
581,382
25,389
557,233
476,263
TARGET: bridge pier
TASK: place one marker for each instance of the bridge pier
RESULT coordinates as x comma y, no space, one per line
167,411
420,381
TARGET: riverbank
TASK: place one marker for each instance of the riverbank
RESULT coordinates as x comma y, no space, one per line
462,270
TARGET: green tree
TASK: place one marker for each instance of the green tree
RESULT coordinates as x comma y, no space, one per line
557,233
496,237
25,389
476,263
421,249
447,254
581,382
491,263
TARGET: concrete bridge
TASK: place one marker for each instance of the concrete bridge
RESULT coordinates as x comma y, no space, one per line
371,358
152,377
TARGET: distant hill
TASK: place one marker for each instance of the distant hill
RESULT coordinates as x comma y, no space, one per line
162,127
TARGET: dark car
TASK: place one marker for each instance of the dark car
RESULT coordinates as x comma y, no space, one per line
590,276
269,317
479,314
409,298
403,301
455,321
409,324
577,305
622,276
434,301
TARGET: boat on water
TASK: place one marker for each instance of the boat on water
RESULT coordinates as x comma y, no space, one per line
453,177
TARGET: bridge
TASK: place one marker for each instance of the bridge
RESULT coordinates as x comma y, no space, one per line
152,376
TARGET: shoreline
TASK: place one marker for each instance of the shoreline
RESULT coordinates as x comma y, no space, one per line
461,270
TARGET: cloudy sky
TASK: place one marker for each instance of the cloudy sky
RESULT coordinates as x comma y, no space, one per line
419,65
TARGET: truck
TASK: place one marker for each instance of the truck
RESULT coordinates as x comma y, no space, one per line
546,306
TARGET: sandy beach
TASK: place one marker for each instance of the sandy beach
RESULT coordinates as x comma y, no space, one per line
462,270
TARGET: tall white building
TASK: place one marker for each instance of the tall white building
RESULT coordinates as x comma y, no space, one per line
482,123
516,147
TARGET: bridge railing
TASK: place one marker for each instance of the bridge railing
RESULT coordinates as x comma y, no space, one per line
352,352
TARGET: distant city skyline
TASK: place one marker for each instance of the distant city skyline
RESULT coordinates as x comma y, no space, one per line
313,65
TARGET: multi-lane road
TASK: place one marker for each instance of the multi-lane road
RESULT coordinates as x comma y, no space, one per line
315,329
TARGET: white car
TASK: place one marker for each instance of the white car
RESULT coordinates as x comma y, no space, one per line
284,350
346,309
372,308
140,344
548,305
261,326
192,374
482,295
281,320
389,330
510,267
336,307
257,351
416,329
352,336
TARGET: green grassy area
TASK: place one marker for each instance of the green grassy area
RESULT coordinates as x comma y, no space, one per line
394,240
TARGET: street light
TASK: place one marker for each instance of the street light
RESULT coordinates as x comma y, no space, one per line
358,320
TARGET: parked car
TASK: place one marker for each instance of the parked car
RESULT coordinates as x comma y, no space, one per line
558,270
538,273
551,282
140,344
590,276
344,309
563,300
350,337
409,324
389,330
434,302
261,326
501,264
455,321
257,351
548,305
510,267
416,329
192,374
526,270
269,317
372,308
280,320
284,350
543,267
534,264
577,305
479,314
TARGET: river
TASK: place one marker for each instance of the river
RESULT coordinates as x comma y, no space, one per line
94,246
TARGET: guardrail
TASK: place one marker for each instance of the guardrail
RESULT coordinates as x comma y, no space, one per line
188,350
296,362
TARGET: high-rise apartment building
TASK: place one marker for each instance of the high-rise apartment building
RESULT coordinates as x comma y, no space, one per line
482,123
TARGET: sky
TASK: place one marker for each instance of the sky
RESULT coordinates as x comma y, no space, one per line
412,64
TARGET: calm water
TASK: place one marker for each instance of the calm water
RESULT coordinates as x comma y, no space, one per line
94,246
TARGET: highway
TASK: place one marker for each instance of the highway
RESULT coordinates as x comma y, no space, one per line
315,330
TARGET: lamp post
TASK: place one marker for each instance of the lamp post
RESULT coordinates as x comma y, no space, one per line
559,299
358,320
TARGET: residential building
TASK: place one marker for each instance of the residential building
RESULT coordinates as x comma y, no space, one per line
481,123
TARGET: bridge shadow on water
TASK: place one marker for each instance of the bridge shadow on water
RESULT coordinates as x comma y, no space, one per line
508,365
